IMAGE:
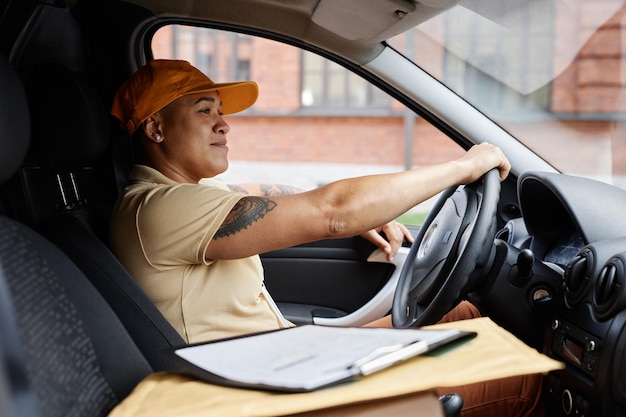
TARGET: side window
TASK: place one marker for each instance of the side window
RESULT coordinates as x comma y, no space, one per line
314,122
326,84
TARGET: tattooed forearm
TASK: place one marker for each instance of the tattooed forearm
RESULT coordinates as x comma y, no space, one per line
247,211
274,189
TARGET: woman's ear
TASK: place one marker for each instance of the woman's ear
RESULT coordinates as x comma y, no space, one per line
152,130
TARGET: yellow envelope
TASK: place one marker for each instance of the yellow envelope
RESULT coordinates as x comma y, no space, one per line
494,353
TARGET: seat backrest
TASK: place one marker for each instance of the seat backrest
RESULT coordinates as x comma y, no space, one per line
66,166
16,393
76,219
79,358
151,332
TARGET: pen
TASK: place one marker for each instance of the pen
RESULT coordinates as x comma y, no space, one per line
394,356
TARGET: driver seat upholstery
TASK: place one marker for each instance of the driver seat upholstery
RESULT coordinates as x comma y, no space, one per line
68,194
79,360
65,186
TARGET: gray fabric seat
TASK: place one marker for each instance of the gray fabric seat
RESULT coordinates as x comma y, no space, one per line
79,358
67,188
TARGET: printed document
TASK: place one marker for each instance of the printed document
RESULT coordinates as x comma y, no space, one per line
309,357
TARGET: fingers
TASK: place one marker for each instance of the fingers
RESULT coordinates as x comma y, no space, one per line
406,233
502,162
395,233
483,157
374,237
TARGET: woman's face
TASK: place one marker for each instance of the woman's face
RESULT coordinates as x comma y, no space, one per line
194,142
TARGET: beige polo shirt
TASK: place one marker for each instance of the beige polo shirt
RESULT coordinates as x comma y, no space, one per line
160,230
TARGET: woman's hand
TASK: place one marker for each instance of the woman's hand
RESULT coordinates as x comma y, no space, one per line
481,158
394,232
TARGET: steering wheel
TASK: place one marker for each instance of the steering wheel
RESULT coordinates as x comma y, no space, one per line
449,254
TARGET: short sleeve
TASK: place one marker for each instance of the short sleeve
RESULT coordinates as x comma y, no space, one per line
176,223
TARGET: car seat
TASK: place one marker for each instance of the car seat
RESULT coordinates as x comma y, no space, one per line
16,394
79,358
66,184
66,188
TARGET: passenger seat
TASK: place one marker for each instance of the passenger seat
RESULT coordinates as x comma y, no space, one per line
67,186
79,358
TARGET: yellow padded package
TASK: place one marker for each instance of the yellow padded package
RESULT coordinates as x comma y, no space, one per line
494,353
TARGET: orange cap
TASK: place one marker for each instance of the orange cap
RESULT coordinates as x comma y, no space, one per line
161,81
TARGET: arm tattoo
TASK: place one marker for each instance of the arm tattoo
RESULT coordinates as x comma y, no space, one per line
271,189
237,189
247,211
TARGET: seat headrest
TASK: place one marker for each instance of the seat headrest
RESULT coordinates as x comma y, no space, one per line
14,121
70,125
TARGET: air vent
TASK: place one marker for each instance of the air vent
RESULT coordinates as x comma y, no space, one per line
609,288
577,276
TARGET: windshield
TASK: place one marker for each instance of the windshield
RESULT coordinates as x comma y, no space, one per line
550,72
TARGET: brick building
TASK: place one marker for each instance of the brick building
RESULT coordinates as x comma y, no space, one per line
335,124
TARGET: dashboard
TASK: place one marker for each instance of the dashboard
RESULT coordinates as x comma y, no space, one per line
563,264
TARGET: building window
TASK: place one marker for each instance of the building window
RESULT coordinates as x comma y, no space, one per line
327,84
310,81
221,54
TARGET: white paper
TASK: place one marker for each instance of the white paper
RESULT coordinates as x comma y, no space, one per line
307,357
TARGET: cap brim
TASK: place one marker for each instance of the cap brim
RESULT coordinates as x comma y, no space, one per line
236,96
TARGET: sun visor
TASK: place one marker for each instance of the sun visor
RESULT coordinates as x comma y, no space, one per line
384,18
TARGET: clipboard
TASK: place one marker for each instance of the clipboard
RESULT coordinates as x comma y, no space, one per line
310,357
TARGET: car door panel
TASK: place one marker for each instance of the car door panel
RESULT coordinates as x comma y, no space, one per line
334,282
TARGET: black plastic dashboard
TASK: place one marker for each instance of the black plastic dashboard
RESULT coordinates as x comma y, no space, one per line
556,207
577,228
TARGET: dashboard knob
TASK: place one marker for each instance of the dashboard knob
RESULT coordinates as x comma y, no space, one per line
591,345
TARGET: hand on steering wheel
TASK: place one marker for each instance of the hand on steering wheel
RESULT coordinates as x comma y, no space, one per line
449,254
